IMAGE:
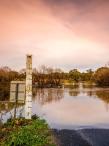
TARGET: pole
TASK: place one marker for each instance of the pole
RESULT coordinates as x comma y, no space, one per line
16,99
28,100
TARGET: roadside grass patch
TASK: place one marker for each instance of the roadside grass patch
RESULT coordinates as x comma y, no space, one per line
22,132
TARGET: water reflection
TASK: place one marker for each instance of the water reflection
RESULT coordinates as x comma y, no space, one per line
76,106
44,96
103,95
6,106
88,85
62,110
7,110
49,95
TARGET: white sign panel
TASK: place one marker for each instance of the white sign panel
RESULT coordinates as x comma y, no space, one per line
17,91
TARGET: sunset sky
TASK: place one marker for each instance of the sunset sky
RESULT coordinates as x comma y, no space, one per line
60,33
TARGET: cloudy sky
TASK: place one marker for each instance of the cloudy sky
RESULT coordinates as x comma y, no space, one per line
59,33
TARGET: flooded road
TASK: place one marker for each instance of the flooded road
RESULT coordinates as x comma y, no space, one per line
71,108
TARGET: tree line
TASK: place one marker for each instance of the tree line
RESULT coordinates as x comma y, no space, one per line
49,77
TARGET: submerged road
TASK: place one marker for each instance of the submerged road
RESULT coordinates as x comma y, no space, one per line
84,137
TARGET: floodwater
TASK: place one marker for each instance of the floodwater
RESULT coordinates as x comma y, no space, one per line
72,107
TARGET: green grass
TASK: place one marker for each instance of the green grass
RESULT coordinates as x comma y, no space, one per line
22,132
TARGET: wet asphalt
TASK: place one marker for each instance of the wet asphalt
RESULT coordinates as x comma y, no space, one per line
84,137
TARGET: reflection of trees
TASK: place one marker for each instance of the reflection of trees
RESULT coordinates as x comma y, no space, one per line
6,107
74,86
74,92
44,96
103,95
73,89
89,85
81,88
90,93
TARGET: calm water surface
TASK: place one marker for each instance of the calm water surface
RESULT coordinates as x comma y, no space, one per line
72,108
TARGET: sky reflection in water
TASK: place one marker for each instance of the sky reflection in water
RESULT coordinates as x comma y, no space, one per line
73,108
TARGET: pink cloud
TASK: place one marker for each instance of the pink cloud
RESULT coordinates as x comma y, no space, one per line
66,34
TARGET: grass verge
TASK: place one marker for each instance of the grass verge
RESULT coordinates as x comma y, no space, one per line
22,132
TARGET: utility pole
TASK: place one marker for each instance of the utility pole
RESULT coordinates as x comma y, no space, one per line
28,100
